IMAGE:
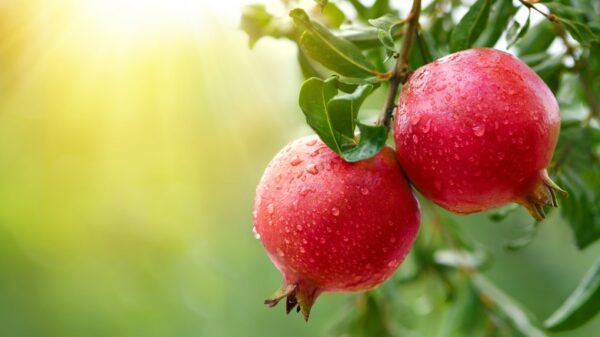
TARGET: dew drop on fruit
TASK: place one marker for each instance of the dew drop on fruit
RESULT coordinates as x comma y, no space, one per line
311,142
312,169
296,161
280,252
335,211
501,155
479,130
415,119
322,241
256,234
364,191
425,128
415,139
299,227
315,152
270,208
304,191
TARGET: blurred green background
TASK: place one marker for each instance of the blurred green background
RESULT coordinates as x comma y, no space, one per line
132,135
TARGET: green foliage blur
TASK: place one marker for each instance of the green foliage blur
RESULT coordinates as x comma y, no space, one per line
129,154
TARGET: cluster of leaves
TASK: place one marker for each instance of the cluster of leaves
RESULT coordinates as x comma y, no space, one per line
346,57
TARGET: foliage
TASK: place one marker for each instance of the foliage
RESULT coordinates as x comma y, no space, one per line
345,61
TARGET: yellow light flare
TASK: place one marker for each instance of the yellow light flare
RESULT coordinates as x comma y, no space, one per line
133,19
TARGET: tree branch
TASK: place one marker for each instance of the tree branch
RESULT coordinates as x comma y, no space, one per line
401,69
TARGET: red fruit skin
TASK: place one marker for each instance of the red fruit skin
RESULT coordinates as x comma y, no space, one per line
476,130
333,225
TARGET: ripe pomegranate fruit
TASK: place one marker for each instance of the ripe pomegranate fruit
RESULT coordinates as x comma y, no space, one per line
329,225
475,130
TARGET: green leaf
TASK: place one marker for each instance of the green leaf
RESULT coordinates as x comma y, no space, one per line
334,116
314,96
322,3
580,306
371,141
502,11
576,166
521,32
512,312
550,70
580,32
256,22
344,109
564,11
466,315
470,26
539,38
332,15
385,26
333,52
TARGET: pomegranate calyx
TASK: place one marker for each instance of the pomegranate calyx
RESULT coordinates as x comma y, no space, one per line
543,194
299,296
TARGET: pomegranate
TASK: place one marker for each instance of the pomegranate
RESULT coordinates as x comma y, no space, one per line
475,130
329,225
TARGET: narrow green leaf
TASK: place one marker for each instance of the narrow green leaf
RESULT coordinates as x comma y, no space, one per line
512,31
580,32
513,39
333,52
466,315
577,163
470,26
513,313
314,95
502,11
564,11
580,306
550,71
372,139
539,38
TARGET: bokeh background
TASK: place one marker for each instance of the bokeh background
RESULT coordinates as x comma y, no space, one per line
132,135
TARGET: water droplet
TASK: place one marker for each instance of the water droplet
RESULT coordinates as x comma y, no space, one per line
311,142
451,182
296,161
335,211
415,139
322,240
364,191
302,250
479,130
501,155
511,92
255,232
304,191
425,128
315,152
346,239
270,208
391,263
312,169
456,156
415,119
440,87
392,240
299,227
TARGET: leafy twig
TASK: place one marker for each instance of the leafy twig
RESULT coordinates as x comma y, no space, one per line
401,69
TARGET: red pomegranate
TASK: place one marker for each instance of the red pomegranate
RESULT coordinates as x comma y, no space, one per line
475,130
329,225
